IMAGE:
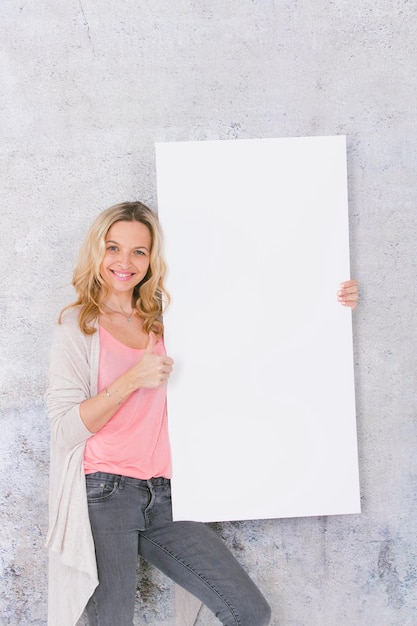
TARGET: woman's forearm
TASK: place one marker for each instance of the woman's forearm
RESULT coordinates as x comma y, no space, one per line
97,411
151,371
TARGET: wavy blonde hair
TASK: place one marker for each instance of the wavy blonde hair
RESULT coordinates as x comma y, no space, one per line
150,297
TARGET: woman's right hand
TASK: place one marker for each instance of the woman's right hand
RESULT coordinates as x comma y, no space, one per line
153,370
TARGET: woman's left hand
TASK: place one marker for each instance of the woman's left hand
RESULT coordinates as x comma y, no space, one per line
348,293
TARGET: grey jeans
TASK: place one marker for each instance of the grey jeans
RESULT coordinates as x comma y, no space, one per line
130,517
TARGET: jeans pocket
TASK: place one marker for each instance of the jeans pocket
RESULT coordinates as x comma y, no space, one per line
99,489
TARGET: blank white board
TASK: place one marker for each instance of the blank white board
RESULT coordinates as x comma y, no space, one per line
261,403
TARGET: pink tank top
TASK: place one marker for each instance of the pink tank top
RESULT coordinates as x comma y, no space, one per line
135,441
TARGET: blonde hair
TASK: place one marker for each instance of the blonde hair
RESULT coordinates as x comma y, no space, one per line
149,297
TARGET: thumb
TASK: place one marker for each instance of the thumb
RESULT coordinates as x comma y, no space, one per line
151,343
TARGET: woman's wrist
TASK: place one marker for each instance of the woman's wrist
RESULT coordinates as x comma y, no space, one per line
113,394
121,388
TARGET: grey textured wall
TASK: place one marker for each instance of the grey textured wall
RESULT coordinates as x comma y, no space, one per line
87,88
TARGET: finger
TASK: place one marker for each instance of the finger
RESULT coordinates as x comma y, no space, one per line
151,343
348,291
353,283
348,294
348,298
162,378
166,372
352,302
349,287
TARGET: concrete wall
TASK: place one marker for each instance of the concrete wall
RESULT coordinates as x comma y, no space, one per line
87,88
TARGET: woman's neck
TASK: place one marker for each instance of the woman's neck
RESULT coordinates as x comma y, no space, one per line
119,302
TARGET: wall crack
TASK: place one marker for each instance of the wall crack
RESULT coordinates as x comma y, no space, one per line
87,26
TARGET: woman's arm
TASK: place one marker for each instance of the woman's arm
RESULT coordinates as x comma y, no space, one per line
151,371
348,293
71,360
75,409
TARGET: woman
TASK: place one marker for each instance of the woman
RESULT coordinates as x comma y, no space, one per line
110,455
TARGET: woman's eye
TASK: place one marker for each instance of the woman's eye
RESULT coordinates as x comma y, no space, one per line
139,252
112,248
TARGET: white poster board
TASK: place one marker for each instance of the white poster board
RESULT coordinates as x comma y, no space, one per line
261,403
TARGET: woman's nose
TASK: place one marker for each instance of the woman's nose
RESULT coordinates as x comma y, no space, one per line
124,260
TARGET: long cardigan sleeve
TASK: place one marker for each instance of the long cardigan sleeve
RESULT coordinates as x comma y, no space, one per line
73,376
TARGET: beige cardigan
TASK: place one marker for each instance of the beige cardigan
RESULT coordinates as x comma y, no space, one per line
73,375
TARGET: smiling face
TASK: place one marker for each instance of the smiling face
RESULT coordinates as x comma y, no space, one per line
126,259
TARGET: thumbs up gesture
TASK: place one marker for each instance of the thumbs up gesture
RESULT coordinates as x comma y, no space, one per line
152,370
151,343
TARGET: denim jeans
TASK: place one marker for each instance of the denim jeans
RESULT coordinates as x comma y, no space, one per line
130,517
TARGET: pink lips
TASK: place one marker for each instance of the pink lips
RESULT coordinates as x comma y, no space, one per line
122,275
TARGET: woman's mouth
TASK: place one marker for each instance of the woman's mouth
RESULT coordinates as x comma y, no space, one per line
122,275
